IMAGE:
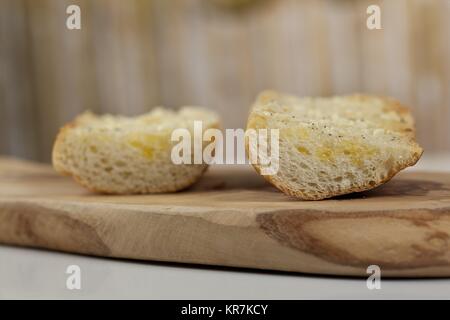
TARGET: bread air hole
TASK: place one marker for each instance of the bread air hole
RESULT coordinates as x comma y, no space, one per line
304,166
125,174
120,163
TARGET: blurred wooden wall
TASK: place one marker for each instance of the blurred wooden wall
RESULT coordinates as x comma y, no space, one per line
135,54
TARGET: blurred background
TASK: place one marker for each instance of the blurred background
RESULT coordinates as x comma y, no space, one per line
132,55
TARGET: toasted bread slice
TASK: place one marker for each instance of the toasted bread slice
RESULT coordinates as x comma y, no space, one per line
121,155
338,145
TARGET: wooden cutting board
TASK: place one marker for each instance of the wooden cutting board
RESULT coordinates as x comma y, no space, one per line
232,217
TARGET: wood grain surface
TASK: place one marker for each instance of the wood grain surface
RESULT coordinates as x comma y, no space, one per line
233,218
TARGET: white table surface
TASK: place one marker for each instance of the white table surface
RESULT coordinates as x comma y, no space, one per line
30,274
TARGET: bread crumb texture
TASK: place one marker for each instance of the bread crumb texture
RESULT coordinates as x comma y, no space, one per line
129,155
337,145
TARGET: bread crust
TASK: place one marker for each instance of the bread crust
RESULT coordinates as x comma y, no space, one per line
407,129
59,167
